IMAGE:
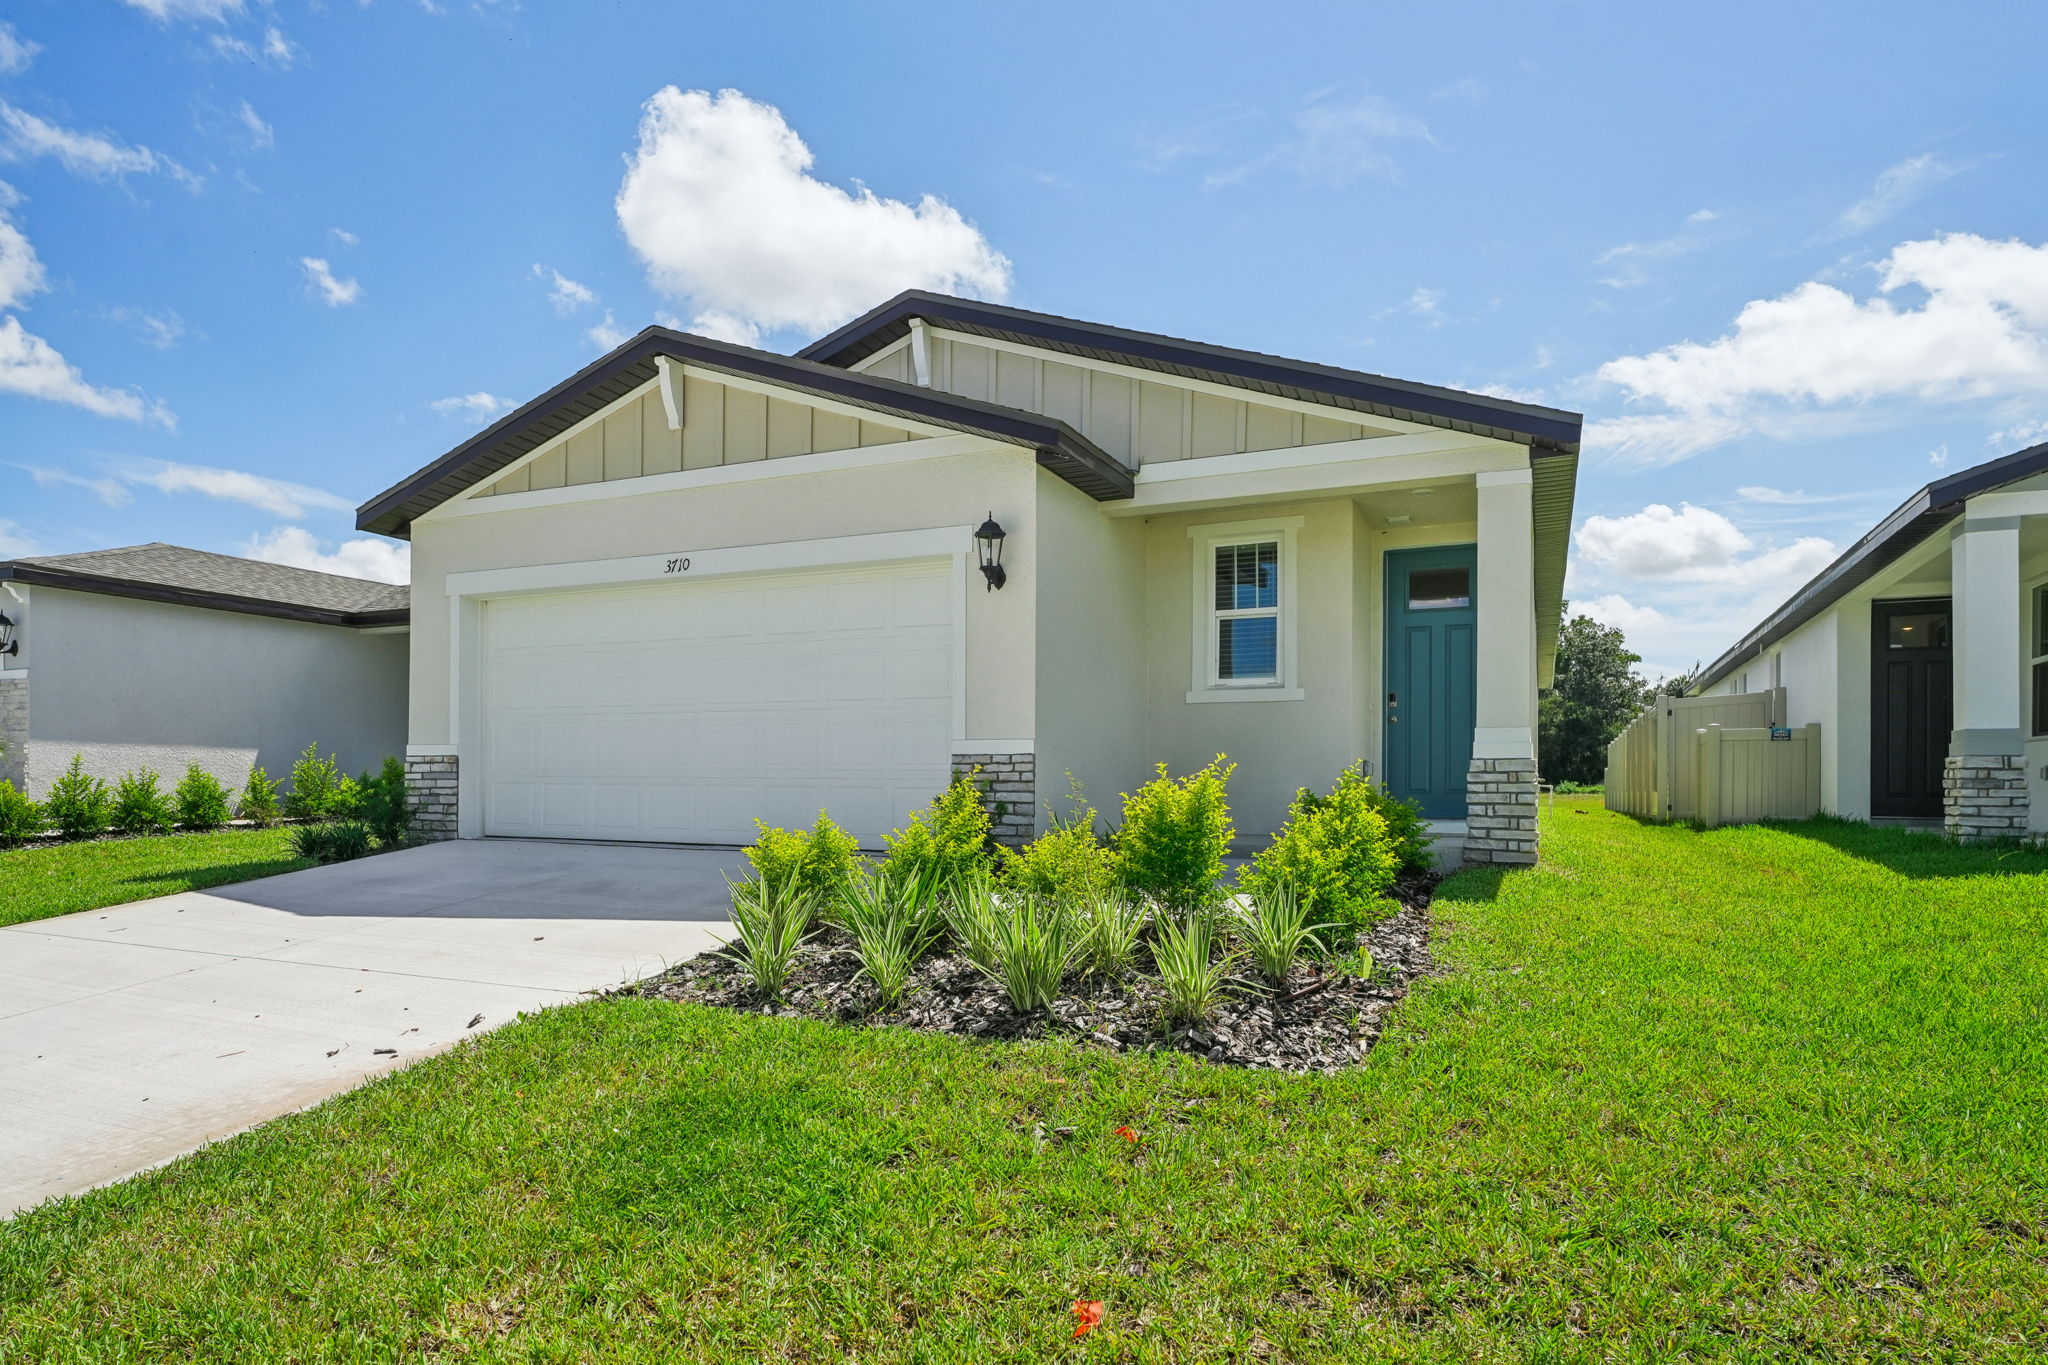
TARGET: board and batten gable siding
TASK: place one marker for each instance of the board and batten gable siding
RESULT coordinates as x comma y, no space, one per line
722,425
1136,420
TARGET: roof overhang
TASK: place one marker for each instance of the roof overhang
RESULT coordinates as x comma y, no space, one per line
1058,446
1910,524
44,576
1544,429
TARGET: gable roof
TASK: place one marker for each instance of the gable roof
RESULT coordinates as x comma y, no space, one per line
1544,429
1060,448
1911,523
198,578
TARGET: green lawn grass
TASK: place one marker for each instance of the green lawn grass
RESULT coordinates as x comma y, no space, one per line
1754,1094
56,879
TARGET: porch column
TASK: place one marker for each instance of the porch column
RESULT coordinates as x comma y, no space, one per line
1984,781
1500,788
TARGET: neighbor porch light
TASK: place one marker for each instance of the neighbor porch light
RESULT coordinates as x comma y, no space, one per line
988,544
8,644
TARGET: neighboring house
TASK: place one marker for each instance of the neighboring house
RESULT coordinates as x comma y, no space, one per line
1922,653
159,657
695,584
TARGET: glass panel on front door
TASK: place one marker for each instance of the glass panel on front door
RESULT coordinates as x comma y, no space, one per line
1925,630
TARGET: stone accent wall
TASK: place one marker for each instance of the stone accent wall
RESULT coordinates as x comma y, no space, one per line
430,779
1009,784
1984,797
1500,816
14,731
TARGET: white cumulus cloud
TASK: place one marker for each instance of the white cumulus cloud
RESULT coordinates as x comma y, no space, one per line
386,561
1693,545
32,367
1957,318
16,52
187,9
606,334
24,136
478,406
566,294
21,271
720,205
322,284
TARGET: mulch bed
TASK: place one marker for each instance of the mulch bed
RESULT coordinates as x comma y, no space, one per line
1322,1022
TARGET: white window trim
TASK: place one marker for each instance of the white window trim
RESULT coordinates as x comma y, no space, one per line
1203,540
2036,599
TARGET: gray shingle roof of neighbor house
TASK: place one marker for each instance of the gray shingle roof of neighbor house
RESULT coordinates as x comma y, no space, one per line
1546,429
1060,448
1912,522
198,578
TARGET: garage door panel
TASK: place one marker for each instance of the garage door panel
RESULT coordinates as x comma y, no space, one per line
681,711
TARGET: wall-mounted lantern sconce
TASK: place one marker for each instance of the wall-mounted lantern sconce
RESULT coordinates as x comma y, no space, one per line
8,644
988,541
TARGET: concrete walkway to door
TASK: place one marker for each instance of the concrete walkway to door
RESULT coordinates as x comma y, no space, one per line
133,1034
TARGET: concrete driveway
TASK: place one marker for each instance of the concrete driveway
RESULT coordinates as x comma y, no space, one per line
133,1034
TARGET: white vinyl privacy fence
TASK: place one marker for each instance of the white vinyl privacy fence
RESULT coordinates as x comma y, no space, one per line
1717,760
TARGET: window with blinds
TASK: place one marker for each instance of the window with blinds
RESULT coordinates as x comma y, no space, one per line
1246,614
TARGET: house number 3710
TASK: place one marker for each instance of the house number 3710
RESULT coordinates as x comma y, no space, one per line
680,564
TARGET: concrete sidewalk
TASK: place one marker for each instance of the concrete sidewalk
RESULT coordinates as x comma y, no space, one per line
133,1034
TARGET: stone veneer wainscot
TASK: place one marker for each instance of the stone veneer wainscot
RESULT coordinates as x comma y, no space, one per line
1009,788
1500,817
431,780
1984,797
14,731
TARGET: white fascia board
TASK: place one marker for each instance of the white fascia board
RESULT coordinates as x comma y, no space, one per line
1395,460
685,565
868,362
1208,386
782,467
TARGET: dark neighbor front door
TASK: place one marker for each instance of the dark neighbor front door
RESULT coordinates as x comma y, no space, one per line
1911,708
1431,628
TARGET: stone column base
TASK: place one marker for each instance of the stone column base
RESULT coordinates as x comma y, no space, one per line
1500,810
1009,789
14,731
1984,797
430,779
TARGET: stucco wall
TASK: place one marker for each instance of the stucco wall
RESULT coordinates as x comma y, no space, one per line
130,684
1091,650
948,490
1281,745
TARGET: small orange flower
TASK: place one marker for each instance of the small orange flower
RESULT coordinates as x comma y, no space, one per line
1087,1316
1127,1133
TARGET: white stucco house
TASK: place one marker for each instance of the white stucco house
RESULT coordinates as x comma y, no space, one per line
695,583
1922,653
156,656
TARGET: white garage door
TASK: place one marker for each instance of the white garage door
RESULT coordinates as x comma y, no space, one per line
681,711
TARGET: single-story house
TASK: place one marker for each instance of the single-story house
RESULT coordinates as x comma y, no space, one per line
695,583
1922,653
155,656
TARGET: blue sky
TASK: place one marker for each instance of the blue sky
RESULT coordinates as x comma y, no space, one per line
260,260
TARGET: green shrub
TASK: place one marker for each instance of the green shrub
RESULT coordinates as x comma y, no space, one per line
818,861
336,841
259,799
1184,951
203,803
773,919
79,805
384,804
141,806
1175,835
319,789
1068,862
20,818
1406,824
1335,852
1033,943
949,837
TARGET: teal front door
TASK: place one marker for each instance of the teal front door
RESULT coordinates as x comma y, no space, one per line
1431,629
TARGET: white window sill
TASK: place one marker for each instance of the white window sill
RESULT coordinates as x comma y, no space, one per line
1248,694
